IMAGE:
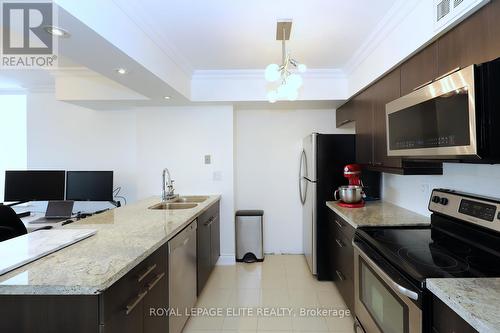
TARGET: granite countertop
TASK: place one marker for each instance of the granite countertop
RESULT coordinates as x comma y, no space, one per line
125,237
476,300
378,213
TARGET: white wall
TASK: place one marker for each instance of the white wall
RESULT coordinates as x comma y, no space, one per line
268,145
12,135
412,192
67,137
179,138
137,144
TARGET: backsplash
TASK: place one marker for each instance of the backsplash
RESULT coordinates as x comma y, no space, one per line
412,192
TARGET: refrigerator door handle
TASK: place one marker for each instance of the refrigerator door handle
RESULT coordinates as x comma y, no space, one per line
303,162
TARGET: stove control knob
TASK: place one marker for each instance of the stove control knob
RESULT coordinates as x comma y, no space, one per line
444,201
436,199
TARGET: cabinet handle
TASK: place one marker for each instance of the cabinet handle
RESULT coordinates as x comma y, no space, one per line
152,284
340,224
340,275
130,307
210,221
378,163
339,242
146,272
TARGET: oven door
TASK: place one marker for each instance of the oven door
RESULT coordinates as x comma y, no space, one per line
384,303
435,121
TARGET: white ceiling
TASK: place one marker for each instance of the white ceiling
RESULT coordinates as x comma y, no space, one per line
240,34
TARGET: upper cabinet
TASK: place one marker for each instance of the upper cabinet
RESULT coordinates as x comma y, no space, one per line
419,69
473,41
363,115
464,45
384,91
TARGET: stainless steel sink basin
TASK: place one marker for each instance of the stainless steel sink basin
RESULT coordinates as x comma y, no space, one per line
191,198
173,206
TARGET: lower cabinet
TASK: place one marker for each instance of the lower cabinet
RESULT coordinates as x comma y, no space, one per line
208,249
136,303
129,304
445,320
123,307
341,254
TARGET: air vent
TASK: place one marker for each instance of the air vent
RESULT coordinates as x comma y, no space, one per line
448,13
443,9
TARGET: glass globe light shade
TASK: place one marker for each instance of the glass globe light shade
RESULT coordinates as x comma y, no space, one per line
282,91
302,68
272,73
295,81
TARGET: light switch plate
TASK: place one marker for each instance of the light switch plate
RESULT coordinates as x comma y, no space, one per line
217,175
208,159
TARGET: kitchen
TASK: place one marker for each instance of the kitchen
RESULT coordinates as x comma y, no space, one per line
230,149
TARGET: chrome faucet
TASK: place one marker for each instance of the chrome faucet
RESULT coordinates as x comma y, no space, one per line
167,192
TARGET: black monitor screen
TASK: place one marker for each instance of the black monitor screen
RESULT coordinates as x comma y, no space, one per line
89,185
34,185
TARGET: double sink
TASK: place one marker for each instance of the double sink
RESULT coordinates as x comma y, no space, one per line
181,202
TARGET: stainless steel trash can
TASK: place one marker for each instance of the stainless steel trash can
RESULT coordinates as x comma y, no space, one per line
249,235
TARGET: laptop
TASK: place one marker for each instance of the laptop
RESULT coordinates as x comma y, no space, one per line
57,211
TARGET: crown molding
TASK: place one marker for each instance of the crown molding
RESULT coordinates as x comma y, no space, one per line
135,13
322,73
397,13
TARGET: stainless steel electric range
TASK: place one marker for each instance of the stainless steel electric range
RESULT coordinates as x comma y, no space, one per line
393,263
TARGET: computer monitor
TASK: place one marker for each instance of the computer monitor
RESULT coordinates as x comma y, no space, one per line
39,185
89,185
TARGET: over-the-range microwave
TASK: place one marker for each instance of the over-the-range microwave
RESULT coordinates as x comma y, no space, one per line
454,117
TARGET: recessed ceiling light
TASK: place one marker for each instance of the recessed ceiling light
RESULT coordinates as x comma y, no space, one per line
55,31
167,97
121,71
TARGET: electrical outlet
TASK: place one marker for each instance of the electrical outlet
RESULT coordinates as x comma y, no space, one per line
425,188
208,159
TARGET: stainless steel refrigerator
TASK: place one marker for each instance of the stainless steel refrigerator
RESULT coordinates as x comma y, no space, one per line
321,171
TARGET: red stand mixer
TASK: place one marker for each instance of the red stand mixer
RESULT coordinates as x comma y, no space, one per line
351,196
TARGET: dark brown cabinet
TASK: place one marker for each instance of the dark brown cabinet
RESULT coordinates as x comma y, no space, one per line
123,307
466,44
126,305
384,91
473,41
420,69
345,114
363,108
341,256
208,246
445,320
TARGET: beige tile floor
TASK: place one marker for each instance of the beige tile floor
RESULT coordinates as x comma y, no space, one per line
281,281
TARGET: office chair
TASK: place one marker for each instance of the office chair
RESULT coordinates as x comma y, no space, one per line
11,225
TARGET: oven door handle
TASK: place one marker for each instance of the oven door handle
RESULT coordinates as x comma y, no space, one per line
405,291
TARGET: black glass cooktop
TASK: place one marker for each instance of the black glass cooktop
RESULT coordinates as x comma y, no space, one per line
430,253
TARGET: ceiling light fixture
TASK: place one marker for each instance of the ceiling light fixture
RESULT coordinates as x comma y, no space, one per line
121,71
290,82
55,31
167,97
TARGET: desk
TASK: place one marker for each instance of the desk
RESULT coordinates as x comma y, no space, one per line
33,226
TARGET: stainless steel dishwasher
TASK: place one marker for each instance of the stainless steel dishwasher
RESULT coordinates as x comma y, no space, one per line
182,275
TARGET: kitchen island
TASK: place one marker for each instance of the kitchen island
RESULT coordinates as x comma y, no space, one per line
81,287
